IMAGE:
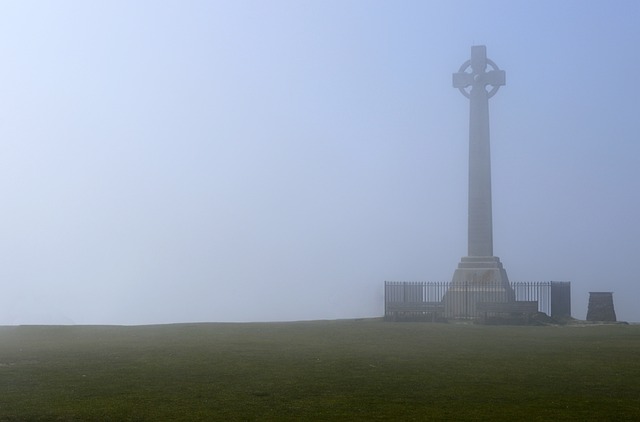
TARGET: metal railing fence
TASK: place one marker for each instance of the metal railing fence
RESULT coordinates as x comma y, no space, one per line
419,297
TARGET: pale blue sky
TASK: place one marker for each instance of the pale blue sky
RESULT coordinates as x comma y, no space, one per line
170,161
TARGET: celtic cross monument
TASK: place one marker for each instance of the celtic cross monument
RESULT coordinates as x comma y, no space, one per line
480,276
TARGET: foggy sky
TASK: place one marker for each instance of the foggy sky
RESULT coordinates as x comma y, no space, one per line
173,161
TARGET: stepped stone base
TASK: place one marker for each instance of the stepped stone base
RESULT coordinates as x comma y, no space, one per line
477,279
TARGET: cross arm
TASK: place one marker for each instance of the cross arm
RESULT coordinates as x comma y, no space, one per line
495,78
462,79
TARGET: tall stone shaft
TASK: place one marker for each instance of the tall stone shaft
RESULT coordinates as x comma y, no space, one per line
480,236
473,85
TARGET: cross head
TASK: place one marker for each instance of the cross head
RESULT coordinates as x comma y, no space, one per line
478,77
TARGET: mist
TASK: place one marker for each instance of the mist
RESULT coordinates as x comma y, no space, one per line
169,161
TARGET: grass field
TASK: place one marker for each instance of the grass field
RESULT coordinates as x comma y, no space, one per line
326,370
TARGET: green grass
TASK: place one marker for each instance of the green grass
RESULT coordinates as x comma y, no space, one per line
335,370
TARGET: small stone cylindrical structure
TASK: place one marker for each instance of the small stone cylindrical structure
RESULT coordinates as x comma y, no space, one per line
601,307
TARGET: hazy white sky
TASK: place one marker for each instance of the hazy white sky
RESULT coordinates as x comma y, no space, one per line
170,161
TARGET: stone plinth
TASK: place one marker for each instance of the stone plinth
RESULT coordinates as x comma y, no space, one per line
601,307
477,279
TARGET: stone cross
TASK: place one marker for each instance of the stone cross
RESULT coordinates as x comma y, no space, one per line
480,276
472,80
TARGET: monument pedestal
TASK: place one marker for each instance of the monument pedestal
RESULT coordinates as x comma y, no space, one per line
477,279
